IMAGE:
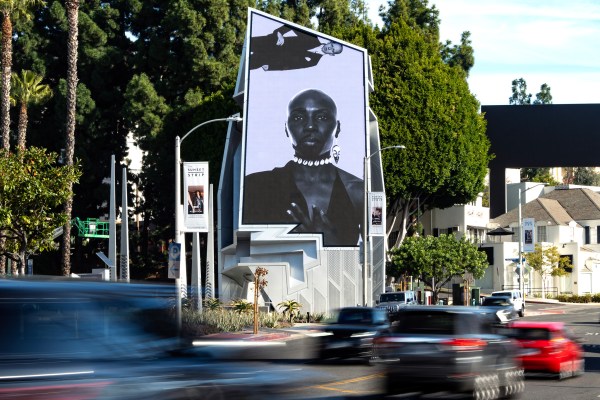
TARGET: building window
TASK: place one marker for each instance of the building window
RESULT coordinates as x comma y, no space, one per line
587,234
436,232
598,234
541,234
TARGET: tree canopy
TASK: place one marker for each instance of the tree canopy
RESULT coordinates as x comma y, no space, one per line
156,68
436,260
32,190
547,262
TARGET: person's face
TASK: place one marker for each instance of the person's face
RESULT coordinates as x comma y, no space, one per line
331,48
312,124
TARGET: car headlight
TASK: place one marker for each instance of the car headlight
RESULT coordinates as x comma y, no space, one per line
502,316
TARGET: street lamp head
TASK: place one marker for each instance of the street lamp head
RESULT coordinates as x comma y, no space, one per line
234,118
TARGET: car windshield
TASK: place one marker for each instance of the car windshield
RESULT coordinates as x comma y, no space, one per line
388,297
355,317
496,301
530,334
436,323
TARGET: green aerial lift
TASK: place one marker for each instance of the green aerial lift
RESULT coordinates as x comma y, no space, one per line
91,228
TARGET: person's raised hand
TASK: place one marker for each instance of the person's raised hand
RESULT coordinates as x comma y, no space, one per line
280,39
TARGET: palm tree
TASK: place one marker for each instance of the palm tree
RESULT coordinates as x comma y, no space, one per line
72,20
10,10
27,89
290,308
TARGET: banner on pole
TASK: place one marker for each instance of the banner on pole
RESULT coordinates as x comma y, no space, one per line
174,259
377,213
528,235
195,184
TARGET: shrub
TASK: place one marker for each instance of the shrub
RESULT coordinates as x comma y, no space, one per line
242,306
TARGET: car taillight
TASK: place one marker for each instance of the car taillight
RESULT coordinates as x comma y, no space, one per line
557,343
465,344
384,341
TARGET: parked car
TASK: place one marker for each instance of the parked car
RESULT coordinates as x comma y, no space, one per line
550,347
72,339
437,348
501,307
516,298
349,333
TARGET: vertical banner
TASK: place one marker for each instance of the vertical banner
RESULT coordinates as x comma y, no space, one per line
528,235
376,213
174,260
195,191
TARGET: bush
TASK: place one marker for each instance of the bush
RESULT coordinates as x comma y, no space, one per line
195,323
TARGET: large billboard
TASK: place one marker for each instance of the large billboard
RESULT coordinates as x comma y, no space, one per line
305,131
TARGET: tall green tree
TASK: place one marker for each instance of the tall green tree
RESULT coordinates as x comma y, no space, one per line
436,260
12,10
425,104
27,89
72,7
32,190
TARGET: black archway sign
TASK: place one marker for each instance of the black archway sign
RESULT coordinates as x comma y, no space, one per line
553,135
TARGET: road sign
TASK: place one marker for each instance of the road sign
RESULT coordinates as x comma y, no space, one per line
174,258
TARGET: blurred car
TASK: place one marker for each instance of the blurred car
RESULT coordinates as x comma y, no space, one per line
349,333
516,298
72,339
549,347
501,307
432,349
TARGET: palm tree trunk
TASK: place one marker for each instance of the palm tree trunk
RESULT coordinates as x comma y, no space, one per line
72,19
5,64
6,72
22,129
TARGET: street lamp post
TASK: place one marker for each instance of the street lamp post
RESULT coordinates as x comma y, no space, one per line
367,171
179,233
520,220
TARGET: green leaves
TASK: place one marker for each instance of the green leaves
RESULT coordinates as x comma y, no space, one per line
436,260
33,189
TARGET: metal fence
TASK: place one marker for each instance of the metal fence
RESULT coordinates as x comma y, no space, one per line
535,292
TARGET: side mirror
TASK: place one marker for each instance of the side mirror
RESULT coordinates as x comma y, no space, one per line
376,301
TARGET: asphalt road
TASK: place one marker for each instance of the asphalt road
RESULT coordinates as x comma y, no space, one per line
352,380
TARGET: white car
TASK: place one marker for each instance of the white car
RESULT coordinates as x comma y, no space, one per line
516,298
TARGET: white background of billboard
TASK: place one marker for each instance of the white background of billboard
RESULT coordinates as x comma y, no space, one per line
340,76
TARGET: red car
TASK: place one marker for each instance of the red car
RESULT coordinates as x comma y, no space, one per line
548,347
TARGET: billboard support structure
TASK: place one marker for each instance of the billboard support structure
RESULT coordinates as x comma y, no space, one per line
366,222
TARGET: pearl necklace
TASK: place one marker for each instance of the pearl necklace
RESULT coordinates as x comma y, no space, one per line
312,163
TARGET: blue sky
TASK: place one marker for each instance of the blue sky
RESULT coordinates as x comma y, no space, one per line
542,41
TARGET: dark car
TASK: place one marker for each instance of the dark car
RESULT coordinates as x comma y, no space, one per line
438,348
501,307
349,333
67,339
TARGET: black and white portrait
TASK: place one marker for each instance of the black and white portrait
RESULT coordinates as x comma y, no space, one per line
305,135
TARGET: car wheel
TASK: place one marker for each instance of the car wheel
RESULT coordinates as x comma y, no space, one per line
578,367
514,383
522,312
486,387
566,370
